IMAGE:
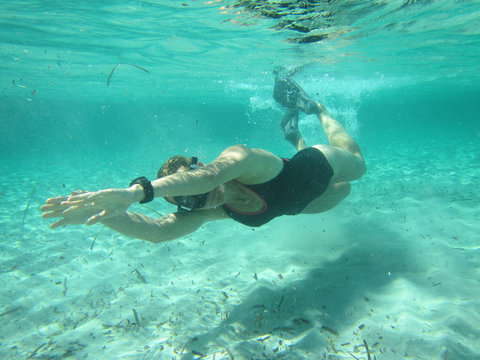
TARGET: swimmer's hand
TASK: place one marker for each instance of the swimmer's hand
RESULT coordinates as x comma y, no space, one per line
84,207
54,209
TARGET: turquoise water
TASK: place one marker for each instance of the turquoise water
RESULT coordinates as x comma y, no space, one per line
57,57
195,77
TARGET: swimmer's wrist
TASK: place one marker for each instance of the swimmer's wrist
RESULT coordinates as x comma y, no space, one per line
136,193
143,186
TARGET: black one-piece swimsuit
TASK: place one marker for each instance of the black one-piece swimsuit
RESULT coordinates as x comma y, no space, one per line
303,178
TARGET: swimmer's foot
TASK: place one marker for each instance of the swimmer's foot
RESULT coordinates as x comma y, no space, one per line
290,95
291,133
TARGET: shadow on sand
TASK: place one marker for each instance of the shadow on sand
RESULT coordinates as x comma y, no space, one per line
305,313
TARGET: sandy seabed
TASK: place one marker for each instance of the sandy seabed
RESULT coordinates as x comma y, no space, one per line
392,273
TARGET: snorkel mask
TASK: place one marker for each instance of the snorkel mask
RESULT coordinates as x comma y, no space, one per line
191,202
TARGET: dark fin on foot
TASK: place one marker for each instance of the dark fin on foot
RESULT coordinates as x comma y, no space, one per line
291,96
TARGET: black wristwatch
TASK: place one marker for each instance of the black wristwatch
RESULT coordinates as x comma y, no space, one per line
147,188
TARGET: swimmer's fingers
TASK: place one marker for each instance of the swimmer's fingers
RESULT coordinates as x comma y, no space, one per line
52,207
58,203
97,217
61,222
54,204
88,198
78,192
79,197
52,214
83,208
112,201
57,200
75,216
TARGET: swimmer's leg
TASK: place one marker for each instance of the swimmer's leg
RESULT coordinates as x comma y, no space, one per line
343,153
334,194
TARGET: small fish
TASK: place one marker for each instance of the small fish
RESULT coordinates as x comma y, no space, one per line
330,330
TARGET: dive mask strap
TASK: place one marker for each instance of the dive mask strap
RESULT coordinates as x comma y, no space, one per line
194,164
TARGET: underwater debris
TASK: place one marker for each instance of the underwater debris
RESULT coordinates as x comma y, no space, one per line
330,330
366,348
35,352
116,65
196,353
353,355
259,306
28,205
264,338
135,315
280,303
95,238
139,276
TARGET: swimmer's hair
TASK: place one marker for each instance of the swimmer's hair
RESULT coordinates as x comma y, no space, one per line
172,165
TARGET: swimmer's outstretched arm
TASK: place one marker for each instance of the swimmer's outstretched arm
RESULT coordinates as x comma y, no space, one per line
235,162
232,163
168,227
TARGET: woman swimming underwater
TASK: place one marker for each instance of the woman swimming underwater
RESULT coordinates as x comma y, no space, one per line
250,186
